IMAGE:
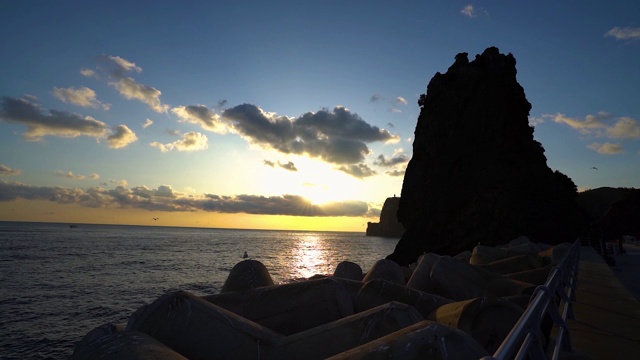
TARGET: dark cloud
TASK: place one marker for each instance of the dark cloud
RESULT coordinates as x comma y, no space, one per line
58,123
164,198
382,160
395,173
288,166
336,136
7,171
269,163
360,171
375,98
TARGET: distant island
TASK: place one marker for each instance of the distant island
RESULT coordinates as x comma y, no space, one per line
389,226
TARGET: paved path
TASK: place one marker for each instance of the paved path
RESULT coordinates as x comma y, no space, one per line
607,315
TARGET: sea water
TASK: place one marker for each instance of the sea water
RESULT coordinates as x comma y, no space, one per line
57,281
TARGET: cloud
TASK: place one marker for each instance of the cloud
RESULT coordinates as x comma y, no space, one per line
269,163
116,70
192,141
535,121
164,198
288,166
606,148
131,89
468,11
359,171
382,160
335,136
147,123
88,72
395,173
401,100
375,98
201,115
83,96
123,65
70,175
7,171
121,137
55,123
598,125
624,33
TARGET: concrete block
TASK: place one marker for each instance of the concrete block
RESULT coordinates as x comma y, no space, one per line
198,329
245,275
344,334
377,292
293,307
424,340
125,346
387,270
487,320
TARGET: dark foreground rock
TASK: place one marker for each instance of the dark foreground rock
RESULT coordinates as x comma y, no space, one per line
449,309
477,175
389,226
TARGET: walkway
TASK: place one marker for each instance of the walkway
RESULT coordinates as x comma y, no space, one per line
607,315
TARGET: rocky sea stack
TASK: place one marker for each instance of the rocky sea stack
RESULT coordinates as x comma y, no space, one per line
389,226
477,175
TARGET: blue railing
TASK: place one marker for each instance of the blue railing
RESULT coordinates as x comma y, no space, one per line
553,299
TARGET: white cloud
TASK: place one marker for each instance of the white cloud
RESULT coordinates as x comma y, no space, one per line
192,141
83,96
468,11
624,33
88,73
70,175
599,125
131,89
401,100
124,64
147,123
121,137
201,115
606,148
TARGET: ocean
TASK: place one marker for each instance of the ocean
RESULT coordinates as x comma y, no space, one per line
58,282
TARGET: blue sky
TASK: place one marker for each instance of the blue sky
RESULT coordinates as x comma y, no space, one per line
284,114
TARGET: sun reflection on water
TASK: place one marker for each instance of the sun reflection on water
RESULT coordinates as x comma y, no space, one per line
310,256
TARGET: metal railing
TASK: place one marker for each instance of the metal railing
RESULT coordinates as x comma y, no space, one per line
551,300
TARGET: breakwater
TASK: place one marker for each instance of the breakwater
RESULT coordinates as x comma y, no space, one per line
456,307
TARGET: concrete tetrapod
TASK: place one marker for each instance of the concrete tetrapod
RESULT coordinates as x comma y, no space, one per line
198,329
387,270
294,307
245,275
426,340
348,270
513,264
487,320
346,333
126,346
377,292
456,280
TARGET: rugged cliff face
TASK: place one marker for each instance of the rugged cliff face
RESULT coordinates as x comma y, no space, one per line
389,226
477,175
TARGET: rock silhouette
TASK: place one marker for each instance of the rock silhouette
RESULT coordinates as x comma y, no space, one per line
389,226
477,175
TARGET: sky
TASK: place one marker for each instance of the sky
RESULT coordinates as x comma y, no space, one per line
284,114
